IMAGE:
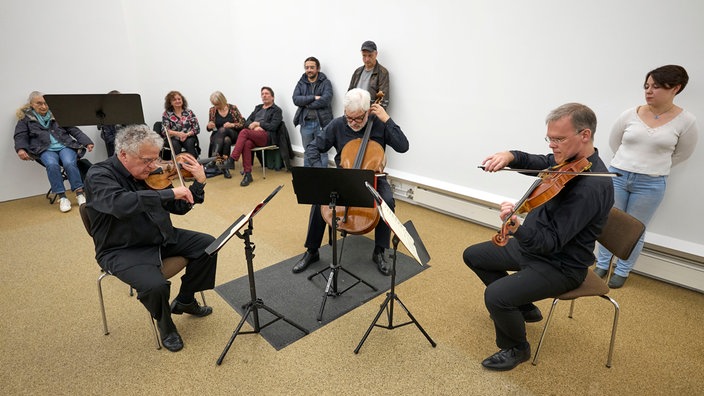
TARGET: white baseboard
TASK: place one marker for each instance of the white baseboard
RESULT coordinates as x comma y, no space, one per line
652,263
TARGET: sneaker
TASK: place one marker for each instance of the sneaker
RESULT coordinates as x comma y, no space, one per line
81,199
600,272
64,204
617,281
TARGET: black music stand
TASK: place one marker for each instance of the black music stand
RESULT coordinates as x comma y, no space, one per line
409,236
253,306
333,187
98,109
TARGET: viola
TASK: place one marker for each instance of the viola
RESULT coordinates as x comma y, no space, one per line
549,184
361,153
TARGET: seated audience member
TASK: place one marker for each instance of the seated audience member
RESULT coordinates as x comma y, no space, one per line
180,124
224,121
260,130
132,229
107,133
39,136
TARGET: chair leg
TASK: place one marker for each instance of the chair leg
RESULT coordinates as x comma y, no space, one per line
202,296
102,304
545,329
156,333
571,308
263,164
617,310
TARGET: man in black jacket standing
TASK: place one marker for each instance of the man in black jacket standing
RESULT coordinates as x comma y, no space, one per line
313,96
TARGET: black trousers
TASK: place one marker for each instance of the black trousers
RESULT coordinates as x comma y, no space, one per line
141,269
190,145
506,295
221,141
382,232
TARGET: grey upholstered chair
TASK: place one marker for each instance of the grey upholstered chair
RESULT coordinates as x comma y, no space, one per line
620,235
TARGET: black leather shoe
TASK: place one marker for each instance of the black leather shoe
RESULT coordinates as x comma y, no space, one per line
532,316
227,174
193,308
172,342
506,359
378,258
305,261
246,179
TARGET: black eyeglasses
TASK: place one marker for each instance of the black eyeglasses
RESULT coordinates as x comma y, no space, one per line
355,119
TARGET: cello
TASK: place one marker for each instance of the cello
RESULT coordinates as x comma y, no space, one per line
360,153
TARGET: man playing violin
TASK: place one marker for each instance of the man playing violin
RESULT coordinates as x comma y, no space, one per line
132,229
384,131
554,246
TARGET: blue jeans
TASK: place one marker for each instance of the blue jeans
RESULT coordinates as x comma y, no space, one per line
310,129
638,195
53,160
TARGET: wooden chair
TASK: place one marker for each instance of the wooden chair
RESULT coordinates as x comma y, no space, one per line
170,266
620,236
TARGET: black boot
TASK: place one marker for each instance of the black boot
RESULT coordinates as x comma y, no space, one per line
246,179
226,172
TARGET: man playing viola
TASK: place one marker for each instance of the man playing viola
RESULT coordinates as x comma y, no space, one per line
554,246
132,229
384,131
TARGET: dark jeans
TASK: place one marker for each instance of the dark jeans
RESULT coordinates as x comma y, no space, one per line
506,295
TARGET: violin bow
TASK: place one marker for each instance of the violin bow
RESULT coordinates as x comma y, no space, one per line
600,174
173,155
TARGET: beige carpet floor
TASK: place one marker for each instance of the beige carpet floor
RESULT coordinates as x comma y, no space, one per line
51,339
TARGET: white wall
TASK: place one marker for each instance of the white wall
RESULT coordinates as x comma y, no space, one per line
467,78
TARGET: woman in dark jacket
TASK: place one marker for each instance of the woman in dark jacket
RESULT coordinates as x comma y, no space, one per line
39,137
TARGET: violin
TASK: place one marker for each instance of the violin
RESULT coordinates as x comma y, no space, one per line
166,171
163,176
361,153
549,184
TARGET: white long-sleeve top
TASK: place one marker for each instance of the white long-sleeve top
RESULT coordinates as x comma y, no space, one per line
652,151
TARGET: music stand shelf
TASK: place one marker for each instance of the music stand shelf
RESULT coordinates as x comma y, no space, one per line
333,187
96,109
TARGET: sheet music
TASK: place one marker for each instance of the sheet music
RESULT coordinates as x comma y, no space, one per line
239,223
395,224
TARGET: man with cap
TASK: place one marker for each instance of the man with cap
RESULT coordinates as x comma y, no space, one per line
372,76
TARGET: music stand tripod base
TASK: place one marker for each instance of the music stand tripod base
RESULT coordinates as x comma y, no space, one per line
333,187
388,306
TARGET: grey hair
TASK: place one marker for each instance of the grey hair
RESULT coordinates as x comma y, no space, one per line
25,107
130,138
357,99
582,117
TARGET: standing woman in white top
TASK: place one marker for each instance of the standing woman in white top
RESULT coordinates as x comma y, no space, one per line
647,141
